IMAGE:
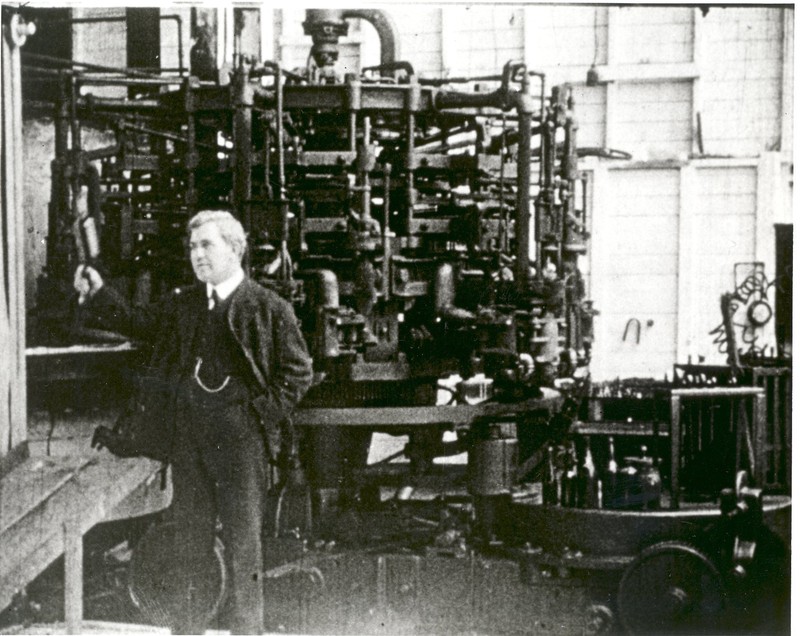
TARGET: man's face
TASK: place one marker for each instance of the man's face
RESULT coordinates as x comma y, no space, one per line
213,259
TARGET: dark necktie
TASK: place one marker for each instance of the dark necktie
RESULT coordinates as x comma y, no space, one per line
215,300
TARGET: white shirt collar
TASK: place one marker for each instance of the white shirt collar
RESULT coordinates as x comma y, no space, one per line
226,287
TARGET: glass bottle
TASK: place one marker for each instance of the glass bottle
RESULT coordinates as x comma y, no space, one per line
587,481
569,481
610,492
550,481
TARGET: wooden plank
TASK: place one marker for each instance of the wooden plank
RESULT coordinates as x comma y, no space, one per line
73,576
458,415
17,235
29,486
94,627
7,205
91,495
722,391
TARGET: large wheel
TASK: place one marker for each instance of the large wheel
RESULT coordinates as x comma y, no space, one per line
671,588
155,574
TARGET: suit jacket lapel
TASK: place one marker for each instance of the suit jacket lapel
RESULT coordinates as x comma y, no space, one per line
195,310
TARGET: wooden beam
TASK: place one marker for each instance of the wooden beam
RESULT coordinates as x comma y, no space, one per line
12,258
89,490
73,576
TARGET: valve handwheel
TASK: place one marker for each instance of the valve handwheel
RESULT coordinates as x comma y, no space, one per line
671,588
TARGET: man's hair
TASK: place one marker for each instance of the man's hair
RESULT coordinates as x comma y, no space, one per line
229,227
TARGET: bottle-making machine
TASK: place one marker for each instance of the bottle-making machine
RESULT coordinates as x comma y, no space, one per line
429,234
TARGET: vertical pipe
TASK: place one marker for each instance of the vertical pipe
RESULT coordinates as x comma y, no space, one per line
190,159
675,451
74,122
351,131
786,423
266,158
180,42
759,426
10,215
410,195
279,130
13,417
283,203
523,220
61,116
504,242
59,195
365,192
75,185
387,189
772,443
242,141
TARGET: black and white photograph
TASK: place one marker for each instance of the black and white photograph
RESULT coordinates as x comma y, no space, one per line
396,319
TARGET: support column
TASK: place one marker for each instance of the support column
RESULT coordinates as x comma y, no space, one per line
13,417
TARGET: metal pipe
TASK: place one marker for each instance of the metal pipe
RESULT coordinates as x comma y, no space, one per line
504,237
163,135
387,190
387,32
283,203
279,126
351,131
191,156
366,193
410,192
242,140
504,99
127,81
523,220
328,289
38,57
444,294
62,117
93,102
74,122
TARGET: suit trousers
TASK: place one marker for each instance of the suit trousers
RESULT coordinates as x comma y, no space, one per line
219,475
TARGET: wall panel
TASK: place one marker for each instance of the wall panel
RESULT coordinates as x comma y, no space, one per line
726,231
101,43
742,80
654,35
637,272
169,37
654,119
480,39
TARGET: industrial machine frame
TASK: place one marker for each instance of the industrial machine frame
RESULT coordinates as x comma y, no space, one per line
430,235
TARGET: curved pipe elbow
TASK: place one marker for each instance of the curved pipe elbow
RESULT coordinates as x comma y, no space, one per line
384,25
327,288
444,296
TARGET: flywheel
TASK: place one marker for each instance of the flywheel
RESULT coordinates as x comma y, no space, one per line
671,588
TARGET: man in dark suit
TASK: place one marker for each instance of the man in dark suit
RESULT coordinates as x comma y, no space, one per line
235,363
